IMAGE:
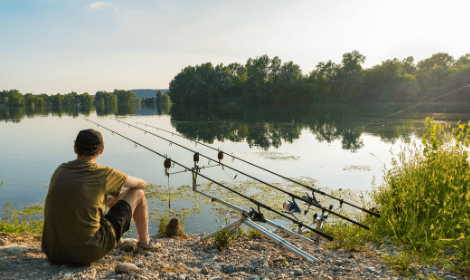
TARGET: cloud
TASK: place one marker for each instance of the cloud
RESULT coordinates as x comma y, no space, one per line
99,5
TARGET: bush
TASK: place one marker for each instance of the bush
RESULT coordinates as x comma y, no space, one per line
224,239
425,200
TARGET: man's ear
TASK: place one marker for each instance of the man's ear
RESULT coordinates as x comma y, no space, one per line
75,149
101,151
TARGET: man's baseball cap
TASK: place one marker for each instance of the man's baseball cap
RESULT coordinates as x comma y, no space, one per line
89,141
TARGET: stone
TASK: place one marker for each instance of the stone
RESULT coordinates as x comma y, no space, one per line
258,247
298,272
371,269
280,260
253,278
204,270
230,269
4,241
125,268
215,278
214,251
16,250
448,277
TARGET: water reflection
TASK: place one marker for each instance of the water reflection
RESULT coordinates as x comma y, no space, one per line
269,126
15,114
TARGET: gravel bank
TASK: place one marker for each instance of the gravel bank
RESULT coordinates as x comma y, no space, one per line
21,258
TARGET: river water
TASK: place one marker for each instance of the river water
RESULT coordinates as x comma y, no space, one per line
333,147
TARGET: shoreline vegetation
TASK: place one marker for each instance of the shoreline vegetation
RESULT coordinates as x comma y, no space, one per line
263,80
13,98
424,202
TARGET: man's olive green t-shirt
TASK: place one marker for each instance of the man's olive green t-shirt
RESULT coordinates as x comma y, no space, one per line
75,230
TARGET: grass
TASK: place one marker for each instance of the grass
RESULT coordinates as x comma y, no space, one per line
21,219
424,203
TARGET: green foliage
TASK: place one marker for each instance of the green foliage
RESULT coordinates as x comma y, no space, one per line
163,222
17,220
401,263
265,80
224,239
347,237
425,200
253,234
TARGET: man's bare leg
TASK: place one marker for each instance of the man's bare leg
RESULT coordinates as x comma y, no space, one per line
138,203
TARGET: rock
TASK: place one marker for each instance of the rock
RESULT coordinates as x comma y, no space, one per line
141,277
263,262
259,247
4,241
204,270
230,269
214,251
448,277
215,278
253,278
280,260
16,250
125,268
371,269
298,272
149,255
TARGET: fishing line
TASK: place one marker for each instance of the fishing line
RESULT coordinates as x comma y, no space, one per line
257,215
401,111
277,174
272,186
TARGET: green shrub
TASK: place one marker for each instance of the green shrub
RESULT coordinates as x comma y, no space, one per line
17,220
224,239
425,200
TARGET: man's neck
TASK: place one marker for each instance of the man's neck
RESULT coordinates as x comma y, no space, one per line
89,159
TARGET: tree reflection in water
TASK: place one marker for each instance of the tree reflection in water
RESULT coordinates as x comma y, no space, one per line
270,126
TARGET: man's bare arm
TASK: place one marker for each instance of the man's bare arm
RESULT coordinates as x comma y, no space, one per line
135,183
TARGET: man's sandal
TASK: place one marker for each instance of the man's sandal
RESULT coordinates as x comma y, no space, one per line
127,246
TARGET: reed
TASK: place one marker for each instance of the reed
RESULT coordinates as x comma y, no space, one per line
425,198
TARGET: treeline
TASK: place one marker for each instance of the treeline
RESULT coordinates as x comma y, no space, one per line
265,80
101,98
160,97
15,98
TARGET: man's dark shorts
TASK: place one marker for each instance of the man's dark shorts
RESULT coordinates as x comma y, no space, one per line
120,217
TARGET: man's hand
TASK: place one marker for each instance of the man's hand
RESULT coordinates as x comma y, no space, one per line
135,183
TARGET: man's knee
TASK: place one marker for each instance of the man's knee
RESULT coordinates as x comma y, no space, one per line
134,196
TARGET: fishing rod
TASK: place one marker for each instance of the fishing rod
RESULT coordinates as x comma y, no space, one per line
305,199
272,172
254,215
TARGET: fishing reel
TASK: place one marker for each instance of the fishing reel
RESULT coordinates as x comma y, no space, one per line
167,165
256,216
291,206
311,199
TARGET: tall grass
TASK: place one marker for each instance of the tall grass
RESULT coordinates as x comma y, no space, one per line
425,200
24,219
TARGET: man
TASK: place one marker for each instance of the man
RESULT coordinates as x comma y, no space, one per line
76,230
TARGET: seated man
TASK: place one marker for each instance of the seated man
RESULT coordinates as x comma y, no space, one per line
76,229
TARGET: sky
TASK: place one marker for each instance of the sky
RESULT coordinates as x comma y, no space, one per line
58,46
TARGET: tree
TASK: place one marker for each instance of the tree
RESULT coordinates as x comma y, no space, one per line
438,59
463,60
5,100
159,97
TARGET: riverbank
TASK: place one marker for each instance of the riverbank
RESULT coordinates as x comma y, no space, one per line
247,258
